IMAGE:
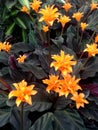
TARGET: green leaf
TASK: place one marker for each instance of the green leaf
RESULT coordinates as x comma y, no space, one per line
39,106
24,35
60,120
33,67
43,58
4,58
4,116
58,41
3,99
25,3
20,23
10,4
91,111
15,120
4,71
68,51
20,47
93,21
90,69
10,29
71,32
71,119
32,39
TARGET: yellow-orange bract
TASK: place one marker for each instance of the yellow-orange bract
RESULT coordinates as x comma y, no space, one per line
67,6
52,82
45,28
63,20
91,49
63,62
21,58
35,5
83,26
5,46
1,46
96,38
68,85
49,14
22,93
93,6
65,86
78,16
79,99
25,9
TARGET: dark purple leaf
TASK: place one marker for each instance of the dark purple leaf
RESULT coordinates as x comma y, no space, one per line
92,87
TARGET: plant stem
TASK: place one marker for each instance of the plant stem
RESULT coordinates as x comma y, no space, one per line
87,16
39,31
49,59
84,64
92,37
22,117
62,31
77,31
80,39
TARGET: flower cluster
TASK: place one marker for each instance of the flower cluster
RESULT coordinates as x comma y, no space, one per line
92,48
5,46
23,92
65,84
21,58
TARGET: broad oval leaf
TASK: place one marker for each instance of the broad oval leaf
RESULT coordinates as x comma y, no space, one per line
20,47
32,66
60,120
4,116
91,69
4,57
93,21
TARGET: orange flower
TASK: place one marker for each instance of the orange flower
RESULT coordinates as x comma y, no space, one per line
91,49
21,58
93,6
67,6
22,92
35,5
45,28
25,9
63,62
1,46
68,85
77,16
79,99
50,14
64,19
96,38
52,82
83,26
5,46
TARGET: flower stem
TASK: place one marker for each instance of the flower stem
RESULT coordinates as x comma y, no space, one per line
77,31
92,36
86,16
80,39
62,31
22,117
49,59
84,64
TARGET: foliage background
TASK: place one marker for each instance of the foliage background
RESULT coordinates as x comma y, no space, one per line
48,112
